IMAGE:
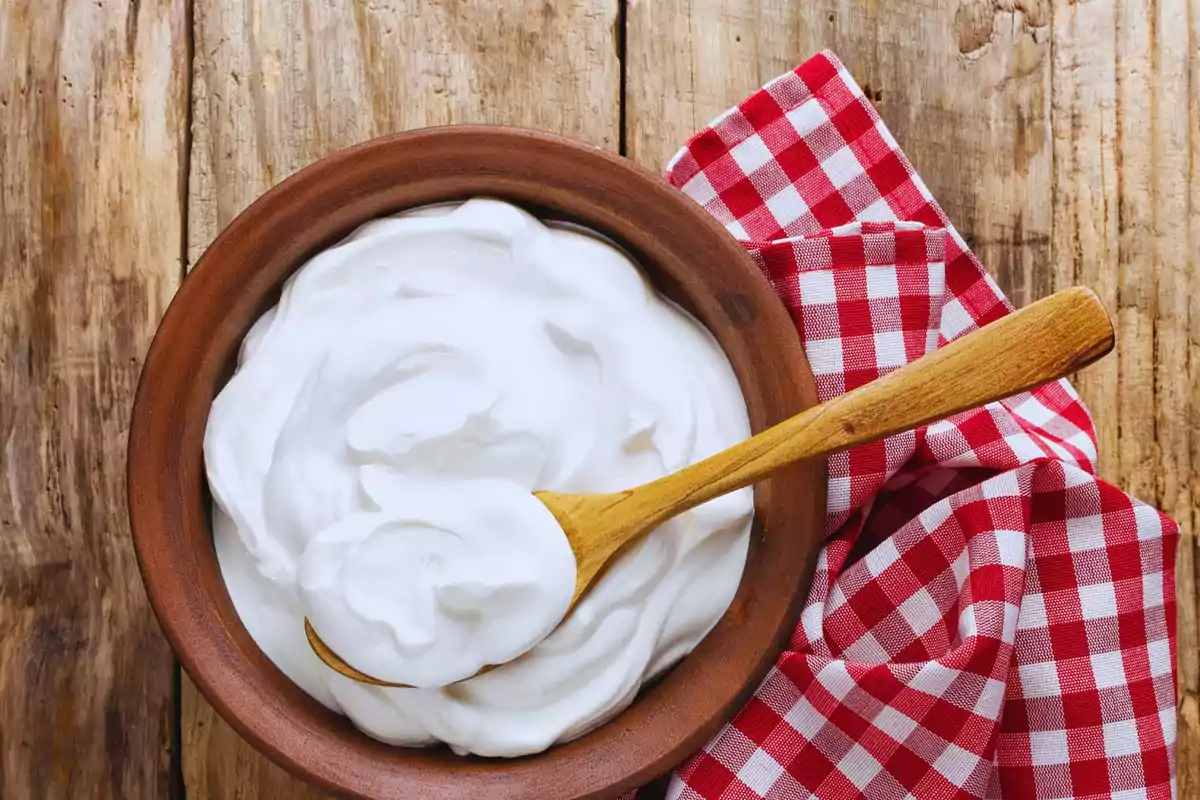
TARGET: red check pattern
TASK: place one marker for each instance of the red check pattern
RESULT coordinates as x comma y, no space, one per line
988,619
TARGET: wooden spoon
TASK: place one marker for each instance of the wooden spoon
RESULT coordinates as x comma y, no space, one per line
1043,342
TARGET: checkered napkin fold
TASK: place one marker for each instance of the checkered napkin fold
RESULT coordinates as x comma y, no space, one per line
987,619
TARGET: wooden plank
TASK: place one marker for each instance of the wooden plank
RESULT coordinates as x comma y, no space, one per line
985,153
1126,116
1086,221
280,84
1062,139
94,113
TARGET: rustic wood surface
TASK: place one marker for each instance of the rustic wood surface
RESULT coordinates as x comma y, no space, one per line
93,113
1062,137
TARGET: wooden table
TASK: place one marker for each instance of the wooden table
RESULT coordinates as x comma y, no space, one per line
1062,136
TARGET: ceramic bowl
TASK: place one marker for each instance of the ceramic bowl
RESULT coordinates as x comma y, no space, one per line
687,255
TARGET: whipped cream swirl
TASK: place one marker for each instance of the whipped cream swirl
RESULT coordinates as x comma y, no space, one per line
374,456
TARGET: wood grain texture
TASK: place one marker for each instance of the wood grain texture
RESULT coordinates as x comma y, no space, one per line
1060,135
1126,185
277,85
217,763
280,84
93,116
1062,138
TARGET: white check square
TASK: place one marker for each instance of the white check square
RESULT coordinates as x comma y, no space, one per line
825,356
956,764
699,189
859,766
786,205
1048,747
817,287
842,167
1121,738
807,117
751,154
1108,670
1098,601
760,772
1040,679
889,349
881,282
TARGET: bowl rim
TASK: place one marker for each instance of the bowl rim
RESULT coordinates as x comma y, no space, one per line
282,723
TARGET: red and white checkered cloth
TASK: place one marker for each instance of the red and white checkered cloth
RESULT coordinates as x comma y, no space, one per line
988,619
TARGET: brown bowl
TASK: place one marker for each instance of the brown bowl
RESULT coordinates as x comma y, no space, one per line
687,255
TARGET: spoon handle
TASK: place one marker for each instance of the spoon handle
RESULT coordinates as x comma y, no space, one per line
1042,342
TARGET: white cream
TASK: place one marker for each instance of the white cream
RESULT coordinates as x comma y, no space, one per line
374,456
